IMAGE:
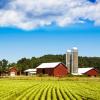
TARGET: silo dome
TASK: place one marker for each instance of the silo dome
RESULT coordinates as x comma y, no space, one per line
75,48
69,51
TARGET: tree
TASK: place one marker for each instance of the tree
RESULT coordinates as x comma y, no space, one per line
23,64
0,68
34,62
3,66
11,65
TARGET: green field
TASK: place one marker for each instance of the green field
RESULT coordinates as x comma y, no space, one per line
47,88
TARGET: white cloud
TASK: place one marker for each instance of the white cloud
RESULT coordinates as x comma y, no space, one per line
30,14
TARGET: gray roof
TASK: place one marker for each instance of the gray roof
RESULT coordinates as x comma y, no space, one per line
84,70
30,70
49,65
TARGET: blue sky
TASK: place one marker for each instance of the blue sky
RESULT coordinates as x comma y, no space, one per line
48,31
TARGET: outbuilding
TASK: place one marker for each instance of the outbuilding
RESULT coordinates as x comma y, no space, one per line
88,71
53,69
13,71
30,72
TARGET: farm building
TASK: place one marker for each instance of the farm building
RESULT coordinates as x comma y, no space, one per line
12,71
53,69
30,72
87,71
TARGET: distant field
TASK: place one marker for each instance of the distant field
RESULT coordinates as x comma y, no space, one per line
49,88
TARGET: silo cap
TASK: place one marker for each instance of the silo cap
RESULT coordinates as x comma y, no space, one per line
75,48
68,50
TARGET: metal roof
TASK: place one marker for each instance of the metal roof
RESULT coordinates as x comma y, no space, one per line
30,70
84,70
49,65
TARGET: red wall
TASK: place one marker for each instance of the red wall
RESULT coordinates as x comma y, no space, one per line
92,72
13,69
60,70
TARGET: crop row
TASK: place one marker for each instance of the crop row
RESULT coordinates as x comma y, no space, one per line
49,90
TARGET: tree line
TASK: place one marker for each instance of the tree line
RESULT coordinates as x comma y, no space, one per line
26,63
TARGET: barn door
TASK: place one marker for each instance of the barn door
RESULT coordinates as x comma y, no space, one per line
43,71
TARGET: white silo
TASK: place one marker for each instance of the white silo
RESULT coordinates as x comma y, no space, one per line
74,65
68,60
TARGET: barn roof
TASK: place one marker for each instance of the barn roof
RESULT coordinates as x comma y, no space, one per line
12,68
49,65
84,70
30,70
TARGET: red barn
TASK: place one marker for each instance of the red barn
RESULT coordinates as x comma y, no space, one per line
53,69
88,71
12,71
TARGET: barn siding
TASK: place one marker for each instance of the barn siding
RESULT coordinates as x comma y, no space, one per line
39,70
92,72
48,71
60,70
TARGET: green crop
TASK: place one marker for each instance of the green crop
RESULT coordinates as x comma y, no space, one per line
49,89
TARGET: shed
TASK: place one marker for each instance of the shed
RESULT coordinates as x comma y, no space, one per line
30,71
53,69
88,71
13,71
